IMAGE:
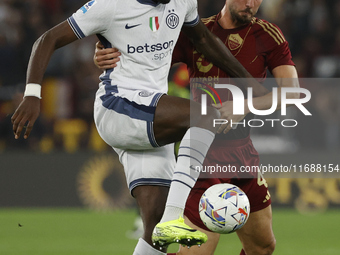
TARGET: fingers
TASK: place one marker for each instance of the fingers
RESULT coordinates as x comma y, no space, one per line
113,57
99,45
107,64
221,128
28,129
107,53
230,123
227,129
216,106
27,112
224,128
107,58
15,122
18,122
18,127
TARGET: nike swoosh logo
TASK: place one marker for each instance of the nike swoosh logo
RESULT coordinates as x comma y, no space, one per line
128,27
187,229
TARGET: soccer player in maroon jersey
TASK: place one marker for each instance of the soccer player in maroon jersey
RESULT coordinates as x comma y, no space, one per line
259,46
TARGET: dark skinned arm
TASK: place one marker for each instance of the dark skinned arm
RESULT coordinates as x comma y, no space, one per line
215,51
29,109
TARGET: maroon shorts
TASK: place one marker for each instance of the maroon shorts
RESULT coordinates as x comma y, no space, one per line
236,153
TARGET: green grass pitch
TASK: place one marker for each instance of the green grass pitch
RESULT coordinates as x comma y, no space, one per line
85,232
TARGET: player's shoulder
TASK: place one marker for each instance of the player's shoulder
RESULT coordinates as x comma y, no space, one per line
210,20
268,30
189,4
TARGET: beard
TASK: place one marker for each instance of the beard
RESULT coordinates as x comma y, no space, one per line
241,18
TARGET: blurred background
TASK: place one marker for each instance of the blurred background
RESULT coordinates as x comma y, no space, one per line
64,163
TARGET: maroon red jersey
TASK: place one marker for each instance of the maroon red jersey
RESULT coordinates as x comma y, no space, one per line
259,46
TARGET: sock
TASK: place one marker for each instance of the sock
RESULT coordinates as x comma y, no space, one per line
143,248
243,252
192,151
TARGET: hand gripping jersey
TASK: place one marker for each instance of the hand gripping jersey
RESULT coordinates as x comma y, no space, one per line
143,31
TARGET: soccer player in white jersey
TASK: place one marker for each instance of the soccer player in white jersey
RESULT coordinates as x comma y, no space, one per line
132,112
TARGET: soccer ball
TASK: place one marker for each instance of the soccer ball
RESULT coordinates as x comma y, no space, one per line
224,208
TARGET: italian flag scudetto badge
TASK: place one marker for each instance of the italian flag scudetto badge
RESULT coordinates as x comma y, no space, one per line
154,25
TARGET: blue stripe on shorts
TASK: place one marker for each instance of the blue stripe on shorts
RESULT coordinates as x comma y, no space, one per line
149,181
132,109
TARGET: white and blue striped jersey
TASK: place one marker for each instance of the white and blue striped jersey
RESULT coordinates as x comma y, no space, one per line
143,31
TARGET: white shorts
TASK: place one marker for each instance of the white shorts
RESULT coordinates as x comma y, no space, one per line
124,120
150,167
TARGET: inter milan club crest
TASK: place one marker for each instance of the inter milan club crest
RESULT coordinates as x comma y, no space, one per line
234,41
153,23
172,20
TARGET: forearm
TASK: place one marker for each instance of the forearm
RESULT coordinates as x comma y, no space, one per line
266,102
262,103
41,53
28,110
44,48
215,51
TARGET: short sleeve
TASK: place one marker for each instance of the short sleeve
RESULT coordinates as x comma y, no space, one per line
191,18
92,18
279,53
279,56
